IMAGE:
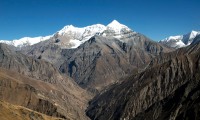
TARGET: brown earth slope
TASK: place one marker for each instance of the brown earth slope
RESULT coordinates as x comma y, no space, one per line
39,86
14,112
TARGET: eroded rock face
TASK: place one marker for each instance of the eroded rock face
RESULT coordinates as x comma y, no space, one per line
38,69
168,90
103,61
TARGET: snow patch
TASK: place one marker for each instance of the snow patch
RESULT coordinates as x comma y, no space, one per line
179,44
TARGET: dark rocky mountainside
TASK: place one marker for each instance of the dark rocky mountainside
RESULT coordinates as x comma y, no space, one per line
100,61
38,85
169,89
38,69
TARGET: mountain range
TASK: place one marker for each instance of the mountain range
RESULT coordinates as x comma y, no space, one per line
100,72
72,37
100,60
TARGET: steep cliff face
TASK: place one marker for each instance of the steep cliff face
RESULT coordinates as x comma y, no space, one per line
38,85
169,90
102,60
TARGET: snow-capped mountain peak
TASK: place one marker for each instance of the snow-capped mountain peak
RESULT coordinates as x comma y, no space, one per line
180,40
76,36
193,34
66,28
116,26
178,37
116,30
85,31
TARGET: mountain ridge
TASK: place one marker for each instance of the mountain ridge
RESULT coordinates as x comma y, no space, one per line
76,35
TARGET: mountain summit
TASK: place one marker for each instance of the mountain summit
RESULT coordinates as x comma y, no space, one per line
116,26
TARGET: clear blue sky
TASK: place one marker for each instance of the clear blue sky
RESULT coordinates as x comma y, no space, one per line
156,19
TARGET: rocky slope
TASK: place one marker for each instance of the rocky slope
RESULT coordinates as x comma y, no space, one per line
9,111
38,85
169,90
102,61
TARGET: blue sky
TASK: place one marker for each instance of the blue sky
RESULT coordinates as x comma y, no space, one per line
156,19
